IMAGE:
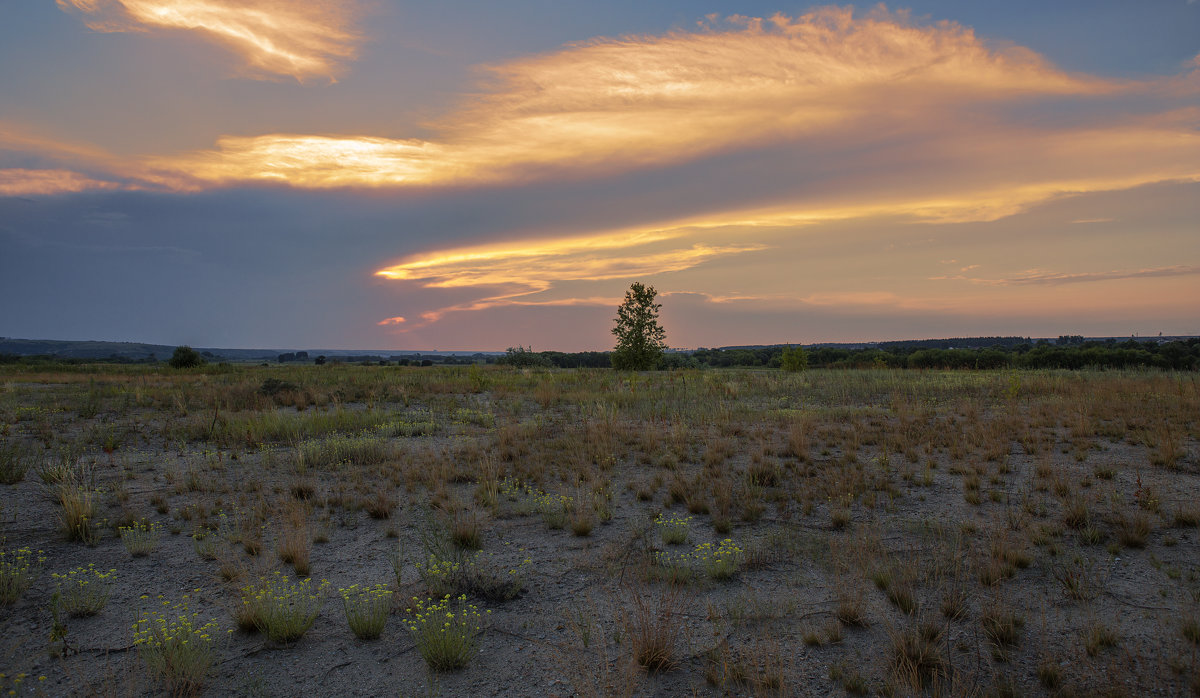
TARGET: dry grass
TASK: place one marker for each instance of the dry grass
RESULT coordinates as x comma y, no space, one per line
868,504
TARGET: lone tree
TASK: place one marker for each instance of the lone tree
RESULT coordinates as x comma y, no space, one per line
640,339
186,357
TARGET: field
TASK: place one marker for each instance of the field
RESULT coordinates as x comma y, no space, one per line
720,532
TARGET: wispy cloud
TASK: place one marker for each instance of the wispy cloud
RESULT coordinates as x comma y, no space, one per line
303,39
1040,277
517,272
26,182
616,104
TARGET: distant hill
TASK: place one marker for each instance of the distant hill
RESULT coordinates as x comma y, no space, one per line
138,351
127,351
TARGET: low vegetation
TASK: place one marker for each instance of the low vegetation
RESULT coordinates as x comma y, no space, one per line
873,531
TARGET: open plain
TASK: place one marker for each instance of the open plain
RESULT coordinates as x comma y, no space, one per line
719,532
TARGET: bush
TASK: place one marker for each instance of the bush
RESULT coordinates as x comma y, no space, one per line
84,591
175,648
186,357
446,631
793,359
367,609
280,608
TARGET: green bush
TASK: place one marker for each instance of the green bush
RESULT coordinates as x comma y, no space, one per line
186,357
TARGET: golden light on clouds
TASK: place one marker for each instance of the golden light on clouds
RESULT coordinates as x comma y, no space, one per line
619,104
25,182
303,39
522,270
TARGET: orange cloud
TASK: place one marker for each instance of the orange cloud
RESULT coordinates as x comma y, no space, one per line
299,38
637,101
22,182
525,269
391,321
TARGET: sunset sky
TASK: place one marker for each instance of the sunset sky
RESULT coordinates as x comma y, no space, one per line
400,175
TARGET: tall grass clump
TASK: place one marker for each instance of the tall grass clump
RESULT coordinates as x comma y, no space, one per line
175,647
84,591
77,511
446,631
367,609
13,463
653,626
279,607
18,570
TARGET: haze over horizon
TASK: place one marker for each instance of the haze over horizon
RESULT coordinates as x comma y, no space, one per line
464,174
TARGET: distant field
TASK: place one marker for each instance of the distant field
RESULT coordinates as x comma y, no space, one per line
715,532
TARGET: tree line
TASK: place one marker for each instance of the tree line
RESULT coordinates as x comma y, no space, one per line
1176,355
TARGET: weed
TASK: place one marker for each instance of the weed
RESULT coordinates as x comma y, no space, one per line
279,607
465,529
454,572
673,528
13,463
1048,674
446,631
1132,531
1002,629
917,658
18,570
84,591
554,509
653,626
175,647
380,505
77,510
1078,577
852,681
1191,629
849,610
1097,637
205,543
720,561
367,609
140,538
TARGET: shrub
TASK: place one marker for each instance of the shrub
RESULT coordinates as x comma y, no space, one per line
446,631
140,538
793,359
367,609
84,591
175,648
18,570
185,357
720,561
280,608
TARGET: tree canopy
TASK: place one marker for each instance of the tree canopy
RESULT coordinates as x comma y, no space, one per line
640,339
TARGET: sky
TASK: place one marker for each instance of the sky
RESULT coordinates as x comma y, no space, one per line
476,175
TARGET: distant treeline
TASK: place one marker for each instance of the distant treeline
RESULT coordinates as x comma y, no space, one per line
1179,355
1066,353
